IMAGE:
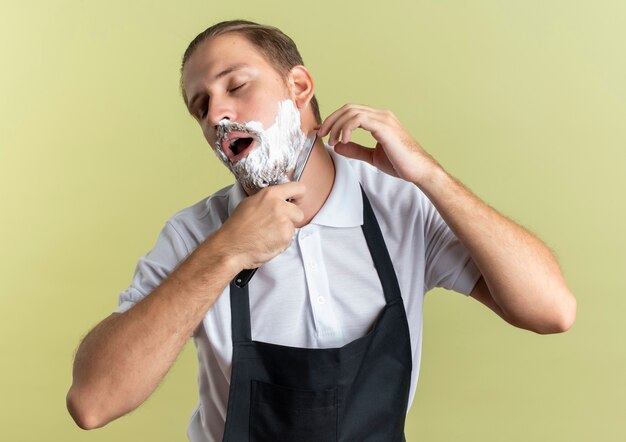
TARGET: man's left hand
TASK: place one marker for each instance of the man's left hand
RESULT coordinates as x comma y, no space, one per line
396,152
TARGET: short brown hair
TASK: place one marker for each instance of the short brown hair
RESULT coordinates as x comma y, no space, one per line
279,50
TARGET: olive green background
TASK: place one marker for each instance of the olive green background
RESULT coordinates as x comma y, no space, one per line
525,102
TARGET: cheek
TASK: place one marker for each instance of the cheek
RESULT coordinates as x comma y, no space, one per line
259,110
263,106
209,135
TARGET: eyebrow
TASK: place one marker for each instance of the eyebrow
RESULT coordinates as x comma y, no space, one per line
221,74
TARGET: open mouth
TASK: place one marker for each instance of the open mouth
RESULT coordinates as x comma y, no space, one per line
238,146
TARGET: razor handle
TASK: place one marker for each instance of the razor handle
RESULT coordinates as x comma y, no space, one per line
243,278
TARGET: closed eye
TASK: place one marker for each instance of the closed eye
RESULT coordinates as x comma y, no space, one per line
203,108
236,88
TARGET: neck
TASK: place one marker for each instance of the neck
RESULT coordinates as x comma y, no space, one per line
318,177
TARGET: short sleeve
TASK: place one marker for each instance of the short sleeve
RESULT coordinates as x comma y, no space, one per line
448,263
154,267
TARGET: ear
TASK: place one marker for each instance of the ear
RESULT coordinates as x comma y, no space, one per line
301,86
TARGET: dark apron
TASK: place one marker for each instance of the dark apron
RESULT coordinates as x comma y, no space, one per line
358,392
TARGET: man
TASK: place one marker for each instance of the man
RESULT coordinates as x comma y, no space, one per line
324,343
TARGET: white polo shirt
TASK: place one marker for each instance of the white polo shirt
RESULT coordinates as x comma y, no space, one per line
323,291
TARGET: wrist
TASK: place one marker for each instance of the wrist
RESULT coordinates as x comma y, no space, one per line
223,254
430,177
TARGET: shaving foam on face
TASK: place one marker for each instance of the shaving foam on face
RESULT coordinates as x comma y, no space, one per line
275,155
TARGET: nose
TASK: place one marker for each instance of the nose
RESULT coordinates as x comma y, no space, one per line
220,109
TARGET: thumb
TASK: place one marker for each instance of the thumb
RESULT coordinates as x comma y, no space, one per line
356,151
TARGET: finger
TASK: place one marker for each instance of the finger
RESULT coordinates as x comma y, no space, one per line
294,213
332,118
289,190
344,126
356,151
371,120
329,121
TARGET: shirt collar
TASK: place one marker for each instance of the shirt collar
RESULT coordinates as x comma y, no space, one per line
344,205
236,194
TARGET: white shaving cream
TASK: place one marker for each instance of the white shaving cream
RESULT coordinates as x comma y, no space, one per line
275,155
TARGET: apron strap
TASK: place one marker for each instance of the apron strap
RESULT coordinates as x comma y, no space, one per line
379,252
240,313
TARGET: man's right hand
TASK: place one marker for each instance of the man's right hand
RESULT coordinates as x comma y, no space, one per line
114,374
262,226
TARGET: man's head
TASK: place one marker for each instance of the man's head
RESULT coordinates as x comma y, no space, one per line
277,48
240,72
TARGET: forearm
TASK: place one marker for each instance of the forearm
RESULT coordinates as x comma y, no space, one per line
521,273
121,362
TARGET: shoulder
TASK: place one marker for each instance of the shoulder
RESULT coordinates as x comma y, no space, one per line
389,196
195,222
216,203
